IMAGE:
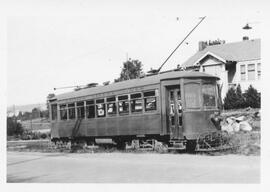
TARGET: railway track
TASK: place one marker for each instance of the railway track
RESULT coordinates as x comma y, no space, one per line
48,146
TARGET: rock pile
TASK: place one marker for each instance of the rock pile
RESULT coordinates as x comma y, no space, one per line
241,121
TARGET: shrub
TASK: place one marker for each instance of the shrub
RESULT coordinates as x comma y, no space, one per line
240,102
230,98
43,135
252,98
235,99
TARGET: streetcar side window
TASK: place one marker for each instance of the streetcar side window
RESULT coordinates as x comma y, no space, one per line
90,109
100,107
123,104
136,102
54,111
111,106
80,110
71,111
63,112
150,101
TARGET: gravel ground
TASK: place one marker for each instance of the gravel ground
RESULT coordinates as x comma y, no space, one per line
35,167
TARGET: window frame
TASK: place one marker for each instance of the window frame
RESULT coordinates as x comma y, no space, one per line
54,115
111,102
149,97
127,100
70,108
63,109
134,100
251,70
78,107
243,72
104,107
90,105
199,96
214,86
259,73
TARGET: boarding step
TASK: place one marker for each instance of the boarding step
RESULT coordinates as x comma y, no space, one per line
177,144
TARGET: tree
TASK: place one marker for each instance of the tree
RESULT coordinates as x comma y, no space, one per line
26,116
20,115
44,114
35,113
13,127
252,97
131,69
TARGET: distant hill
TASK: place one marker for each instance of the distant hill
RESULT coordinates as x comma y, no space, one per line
26,108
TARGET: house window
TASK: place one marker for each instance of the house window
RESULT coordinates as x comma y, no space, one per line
259,70
243,72
251,71
90,109
71,111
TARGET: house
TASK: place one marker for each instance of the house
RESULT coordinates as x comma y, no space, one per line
235,63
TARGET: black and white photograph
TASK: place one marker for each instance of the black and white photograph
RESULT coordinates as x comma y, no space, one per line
133,92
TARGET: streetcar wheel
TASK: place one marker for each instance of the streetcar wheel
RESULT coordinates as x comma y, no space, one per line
120,145
191,146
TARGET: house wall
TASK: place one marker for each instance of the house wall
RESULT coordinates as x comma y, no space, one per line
245,83
215,67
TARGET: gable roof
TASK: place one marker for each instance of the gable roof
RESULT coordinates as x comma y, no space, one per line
150,80
237,51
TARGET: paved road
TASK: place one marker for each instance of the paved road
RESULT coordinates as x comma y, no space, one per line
130,168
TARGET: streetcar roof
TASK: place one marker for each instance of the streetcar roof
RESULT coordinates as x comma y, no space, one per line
148,80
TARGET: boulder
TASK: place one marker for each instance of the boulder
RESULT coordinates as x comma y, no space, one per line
227,127
230,120
235,126
245,126
241,118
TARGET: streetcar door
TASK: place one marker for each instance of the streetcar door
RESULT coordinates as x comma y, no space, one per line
174,112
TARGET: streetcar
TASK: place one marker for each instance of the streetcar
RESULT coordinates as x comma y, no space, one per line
174,108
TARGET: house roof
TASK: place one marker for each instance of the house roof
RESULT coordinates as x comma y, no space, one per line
154,79
237,51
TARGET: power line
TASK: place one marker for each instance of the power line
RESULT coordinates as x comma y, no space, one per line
202,18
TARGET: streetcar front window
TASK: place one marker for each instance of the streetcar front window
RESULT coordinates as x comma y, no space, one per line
54,111
63,112
71,111
209,95
192,95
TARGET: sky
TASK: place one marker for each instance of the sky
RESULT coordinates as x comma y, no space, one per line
66,43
